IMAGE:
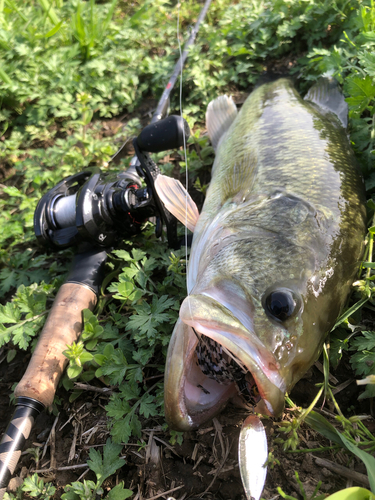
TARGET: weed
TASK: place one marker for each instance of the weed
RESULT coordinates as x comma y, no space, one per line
65,71
314,495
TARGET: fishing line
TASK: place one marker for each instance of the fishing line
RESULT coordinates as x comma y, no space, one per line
184,141
186,169
200,337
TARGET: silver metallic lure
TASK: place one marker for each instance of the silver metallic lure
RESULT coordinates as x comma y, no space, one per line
252,455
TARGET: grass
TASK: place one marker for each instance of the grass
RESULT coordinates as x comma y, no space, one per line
68,69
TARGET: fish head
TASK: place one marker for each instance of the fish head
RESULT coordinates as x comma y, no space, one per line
265,298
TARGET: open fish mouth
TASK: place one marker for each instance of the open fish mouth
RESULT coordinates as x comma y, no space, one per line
213,358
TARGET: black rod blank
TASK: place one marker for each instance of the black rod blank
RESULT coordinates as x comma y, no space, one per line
15,436
158,114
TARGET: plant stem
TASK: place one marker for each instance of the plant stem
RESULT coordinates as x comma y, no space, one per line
20,323
304,414
335,402
370,247
49,10
308,450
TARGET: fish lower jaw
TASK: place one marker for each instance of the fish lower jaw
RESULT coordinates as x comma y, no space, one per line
193,398
203,395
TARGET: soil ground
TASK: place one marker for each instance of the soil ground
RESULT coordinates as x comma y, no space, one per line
204,466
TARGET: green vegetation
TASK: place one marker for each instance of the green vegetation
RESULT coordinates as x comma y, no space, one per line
73,75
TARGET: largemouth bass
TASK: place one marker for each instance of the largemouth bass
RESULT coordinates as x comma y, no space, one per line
274,251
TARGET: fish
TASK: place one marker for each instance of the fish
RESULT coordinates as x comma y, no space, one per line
275,250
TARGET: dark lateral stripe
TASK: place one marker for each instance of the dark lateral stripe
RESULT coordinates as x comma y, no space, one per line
5,475
14,432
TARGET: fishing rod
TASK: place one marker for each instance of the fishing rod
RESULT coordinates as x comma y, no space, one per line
162,107
164,99
90,210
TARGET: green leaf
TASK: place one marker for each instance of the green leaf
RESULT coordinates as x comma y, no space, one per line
22,336
370,265
9,313
4,77
85,357
361,91
125,290
354,493
134,375
115,367
349,312
11,355
79,491
35,487
117,407
138,254
119,493
147,406
50,11
108,465
150,316
8,280
123,254
54,30
130,391
4,335
369,392
73,371
364,341
124,429
12,191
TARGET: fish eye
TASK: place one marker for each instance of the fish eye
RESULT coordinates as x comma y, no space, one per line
281,304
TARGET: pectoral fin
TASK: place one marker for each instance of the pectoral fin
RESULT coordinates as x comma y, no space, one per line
177,200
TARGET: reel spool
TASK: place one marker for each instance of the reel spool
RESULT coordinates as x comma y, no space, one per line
98,208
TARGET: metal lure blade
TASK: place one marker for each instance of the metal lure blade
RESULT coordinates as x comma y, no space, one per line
252,455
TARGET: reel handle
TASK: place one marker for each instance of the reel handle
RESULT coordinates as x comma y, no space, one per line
164,134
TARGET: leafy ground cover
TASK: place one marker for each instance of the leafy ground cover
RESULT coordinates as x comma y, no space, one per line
77,80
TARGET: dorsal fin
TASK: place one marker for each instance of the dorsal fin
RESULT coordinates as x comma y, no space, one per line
220,115
177,200
326,94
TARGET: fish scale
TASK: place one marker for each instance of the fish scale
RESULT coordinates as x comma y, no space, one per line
284,219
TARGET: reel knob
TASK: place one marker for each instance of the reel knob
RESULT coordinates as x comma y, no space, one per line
164,134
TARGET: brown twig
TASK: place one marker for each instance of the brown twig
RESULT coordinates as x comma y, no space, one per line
225,448
342,386
165,493
72,416
87,387
72,451
53,443
65,467
359,478
49,437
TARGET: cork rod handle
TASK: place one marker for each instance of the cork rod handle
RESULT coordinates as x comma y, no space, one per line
62,328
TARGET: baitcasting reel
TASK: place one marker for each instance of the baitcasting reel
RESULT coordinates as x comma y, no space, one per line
99,208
